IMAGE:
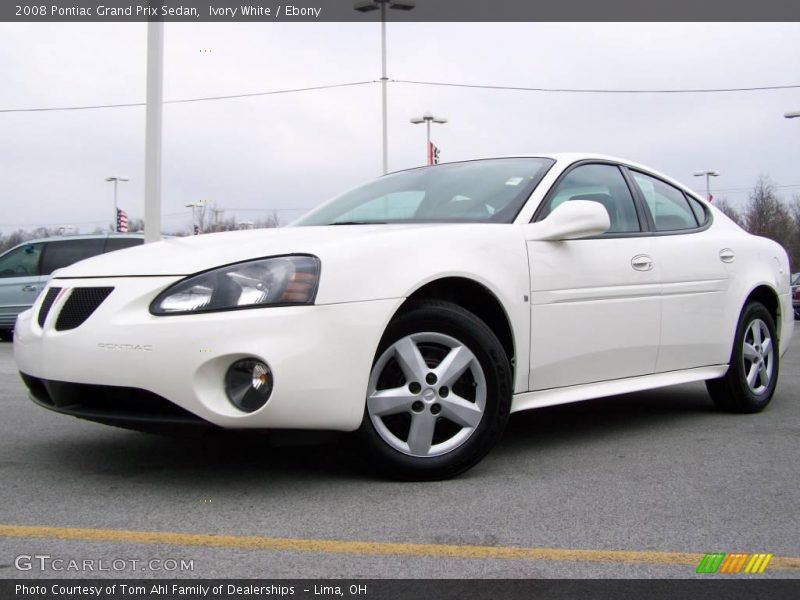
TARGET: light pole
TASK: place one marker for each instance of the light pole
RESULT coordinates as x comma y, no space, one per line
428,118
152,131
116,179
708,175
193,205
366,6
792,115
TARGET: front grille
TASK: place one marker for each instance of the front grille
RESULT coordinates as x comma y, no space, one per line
47,304
106,402
82,302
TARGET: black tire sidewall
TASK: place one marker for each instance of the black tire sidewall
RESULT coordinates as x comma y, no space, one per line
451,320
737,376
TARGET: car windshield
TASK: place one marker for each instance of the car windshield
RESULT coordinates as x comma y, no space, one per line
490,191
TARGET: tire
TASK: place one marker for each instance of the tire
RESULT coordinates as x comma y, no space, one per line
733,392
407,432
6,334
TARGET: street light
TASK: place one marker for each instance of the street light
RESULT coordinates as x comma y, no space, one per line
708,175
196,229
116,179
792,115
367,6
428,118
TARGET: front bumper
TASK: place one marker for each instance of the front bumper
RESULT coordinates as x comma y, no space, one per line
320,356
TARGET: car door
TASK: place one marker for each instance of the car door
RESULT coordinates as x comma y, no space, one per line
694,277
20,281
595,302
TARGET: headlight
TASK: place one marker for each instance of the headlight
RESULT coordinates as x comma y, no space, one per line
278,281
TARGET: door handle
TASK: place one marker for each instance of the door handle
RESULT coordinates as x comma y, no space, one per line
727,255
29,288
642,262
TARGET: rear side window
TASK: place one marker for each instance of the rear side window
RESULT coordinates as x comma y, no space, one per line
667,204
61,254
698,209
21,262
120,243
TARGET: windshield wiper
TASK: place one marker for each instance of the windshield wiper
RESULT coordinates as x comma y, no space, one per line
359,223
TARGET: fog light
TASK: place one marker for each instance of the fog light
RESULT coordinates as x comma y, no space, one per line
248,384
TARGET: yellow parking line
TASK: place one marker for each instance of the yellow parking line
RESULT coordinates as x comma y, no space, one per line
367,548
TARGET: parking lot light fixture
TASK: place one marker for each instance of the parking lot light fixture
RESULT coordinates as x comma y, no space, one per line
792,115
428,118
708,175
197,227
368,6
116,179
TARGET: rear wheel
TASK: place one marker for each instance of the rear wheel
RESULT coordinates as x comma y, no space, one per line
439,394
750,382
6,334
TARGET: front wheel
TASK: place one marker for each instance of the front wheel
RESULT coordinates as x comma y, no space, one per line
439,394
750,382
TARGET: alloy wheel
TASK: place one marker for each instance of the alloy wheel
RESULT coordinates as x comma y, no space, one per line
758,353
426,394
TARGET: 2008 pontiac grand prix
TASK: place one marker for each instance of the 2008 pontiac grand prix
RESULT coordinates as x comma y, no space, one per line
420,310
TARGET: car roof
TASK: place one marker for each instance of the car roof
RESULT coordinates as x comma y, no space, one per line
567,158
85,236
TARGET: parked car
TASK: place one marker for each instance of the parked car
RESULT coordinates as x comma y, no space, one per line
24,269
420,310
796,295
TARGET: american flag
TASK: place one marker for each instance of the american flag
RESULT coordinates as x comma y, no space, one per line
433,154
122,221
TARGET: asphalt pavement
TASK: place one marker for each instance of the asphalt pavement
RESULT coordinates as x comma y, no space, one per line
630,486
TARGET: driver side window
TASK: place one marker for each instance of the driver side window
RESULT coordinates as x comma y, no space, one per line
599,183
22,262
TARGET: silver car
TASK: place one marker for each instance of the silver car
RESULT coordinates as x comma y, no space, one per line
24,269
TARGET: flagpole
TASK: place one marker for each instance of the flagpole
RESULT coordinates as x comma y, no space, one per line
114,220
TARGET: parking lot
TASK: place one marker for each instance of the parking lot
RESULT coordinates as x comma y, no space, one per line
631,486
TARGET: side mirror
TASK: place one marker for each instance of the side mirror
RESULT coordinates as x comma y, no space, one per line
571,220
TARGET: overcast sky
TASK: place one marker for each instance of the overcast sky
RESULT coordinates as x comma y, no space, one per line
294,151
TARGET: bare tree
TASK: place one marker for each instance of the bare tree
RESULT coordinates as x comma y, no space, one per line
135,225
730,211
21,235
793,247
768,216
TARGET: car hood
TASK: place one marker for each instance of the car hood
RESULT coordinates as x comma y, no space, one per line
188,255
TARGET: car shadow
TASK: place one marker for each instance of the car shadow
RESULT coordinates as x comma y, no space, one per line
594,420
230,458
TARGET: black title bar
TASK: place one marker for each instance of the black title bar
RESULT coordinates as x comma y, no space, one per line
399,10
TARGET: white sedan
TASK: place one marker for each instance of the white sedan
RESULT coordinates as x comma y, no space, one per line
420,310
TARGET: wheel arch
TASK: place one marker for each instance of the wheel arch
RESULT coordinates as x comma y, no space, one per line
767,296
474,297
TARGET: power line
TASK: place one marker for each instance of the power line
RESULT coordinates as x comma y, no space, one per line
413,82
750,189
598,90
186,100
